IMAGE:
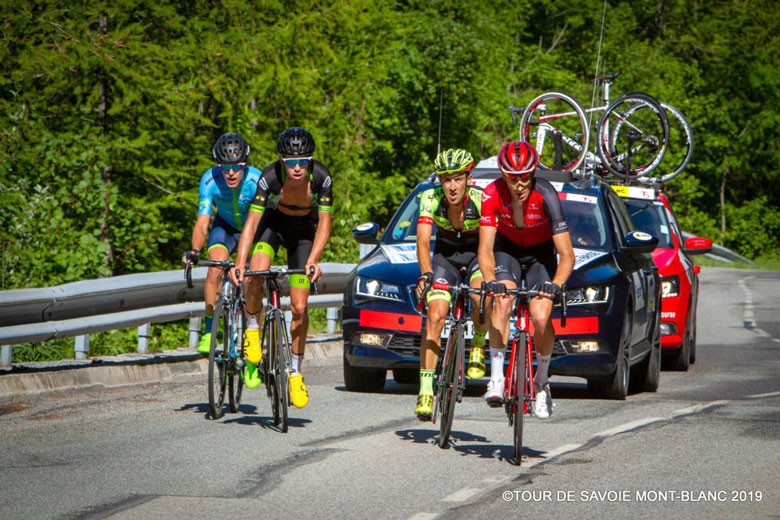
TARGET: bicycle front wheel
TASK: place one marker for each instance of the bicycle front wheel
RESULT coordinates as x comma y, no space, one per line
520,387
218,356
235,381
448,383
556,125
632,135
281,381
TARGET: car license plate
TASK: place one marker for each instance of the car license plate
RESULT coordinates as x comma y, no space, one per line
448,327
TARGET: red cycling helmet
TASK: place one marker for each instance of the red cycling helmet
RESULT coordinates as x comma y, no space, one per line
518,158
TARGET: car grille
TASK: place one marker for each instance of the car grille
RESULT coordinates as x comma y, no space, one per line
405,345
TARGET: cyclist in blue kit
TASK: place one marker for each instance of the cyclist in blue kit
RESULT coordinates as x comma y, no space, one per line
226,193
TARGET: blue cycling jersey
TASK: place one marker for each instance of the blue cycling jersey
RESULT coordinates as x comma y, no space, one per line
232,204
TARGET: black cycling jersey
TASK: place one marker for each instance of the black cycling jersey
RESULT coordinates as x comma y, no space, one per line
270,186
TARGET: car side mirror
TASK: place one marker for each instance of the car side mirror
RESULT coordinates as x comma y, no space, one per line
366,233
640,242
697,245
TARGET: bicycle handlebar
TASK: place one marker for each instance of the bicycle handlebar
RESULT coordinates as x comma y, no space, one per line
277,272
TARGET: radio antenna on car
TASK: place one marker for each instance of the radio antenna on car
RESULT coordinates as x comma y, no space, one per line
441,103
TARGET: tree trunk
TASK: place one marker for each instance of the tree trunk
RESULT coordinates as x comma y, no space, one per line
723,205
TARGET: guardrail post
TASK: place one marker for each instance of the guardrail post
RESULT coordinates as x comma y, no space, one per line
144,332
82,346
5,357
194,333
332,314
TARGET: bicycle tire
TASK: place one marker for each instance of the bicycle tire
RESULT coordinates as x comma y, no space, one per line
520,381
571,124
217,371
281,379
622,126
447,392
269,364
680,146
235,381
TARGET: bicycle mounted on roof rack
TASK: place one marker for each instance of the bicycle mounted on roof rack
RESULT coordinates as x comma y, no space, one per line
634,134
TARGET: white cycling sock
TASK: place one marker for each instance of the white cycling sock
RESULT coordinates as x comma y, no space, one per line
542,365
251,321
297,361
496,364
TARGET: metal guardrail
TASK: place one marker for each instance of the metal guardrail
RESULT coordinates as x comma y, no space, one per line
81,308
721,254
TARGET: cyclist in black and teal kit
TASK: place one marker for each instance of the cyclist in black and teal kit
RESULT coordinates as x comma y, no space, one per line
292,208
227,189
455,208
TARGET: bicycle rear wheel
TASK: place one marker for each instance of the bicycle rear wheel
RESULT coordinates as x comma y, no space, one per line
520,382
632,135
217,372
680,147
235,381
448,383
556,125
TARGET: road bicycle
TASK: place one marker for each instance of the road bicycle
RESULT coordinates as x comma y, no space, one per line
277,355
519,394
450,369
226,355
631,138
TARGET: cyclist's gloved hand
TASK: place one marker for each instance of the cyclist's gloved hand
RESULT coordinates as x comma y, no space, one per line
191,255
551,288
496,287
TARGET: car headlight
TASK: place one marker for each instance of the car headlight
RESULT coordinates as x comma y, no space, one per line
373,288
670,286
587,295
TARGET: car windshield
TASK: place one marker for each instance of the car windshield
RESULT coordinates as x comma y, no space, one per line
584,215
650,217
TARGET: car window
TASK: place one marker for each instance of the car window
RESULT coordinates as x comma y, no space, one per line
585,218
651,217
403,226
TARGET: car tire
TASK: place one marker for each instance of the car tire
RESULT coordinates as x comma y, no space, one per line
649,370
691,332
617,385
363,379
406,376
682,359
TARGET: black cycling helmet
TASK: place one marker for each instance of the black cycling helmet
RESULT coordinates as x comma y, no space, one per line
230,148
295,141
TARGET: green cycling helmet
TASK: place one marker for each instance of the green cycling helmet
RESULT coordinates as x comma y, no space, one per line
454,160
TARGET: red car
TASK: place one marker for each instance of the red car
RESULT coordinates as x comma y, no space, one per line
652,213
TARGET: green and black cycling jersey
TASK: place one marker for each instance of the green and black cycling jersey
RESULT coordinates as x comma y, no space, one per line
433,210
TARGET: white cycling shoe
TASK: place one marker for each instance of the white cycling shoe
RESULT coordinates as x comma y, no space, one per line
543,405
495,393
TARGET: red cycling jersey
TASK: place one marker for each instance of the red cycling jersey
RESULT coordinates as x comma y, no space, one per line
542,212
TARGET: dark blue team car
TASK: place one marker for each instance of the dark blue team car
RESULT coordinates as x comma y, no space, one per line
611,336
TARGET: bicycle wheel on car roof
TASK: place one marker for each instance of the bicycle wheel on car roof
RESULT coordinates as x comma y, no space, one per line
679,150
632,136
556,125
448,383
217,371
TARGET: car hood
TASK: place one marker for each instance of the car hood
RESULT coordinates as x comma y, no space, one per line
592,267
392,262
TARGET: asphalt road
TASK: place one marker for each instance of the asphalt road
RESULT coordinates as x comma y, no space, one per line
706,445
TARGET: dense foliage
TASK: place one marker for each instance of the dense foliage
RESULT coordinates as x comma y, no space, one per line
109,109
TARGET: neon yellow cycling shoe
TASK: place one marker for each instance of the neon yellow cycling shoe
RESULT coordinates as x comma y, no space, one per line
252,348
252,376
204,347
299,396
424,409
476,368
